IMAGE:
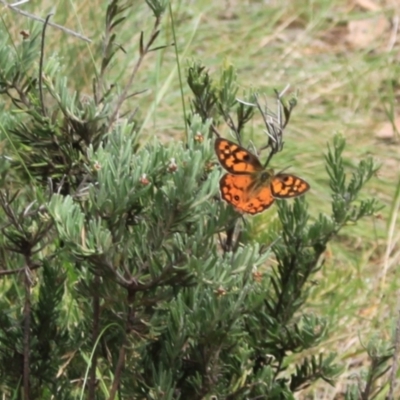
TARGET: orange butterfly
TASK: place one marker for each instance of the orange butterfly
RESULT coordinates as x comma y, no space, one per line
248,186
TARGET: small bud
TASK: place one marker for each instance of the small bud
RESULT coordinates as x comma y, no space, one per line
143,180
24,34
257,276
209,166
97,166
199,138
220,291
172,167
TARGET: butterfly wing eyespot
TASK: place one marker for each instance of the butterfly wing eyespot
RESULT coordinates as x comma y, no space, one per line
236,159
284,186
238,191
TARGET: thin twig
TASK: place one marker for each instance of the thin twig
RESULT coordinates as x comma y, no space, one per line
5,272
396,352
35,18
27,326
95,335
121,357
390,243
179,70
46,22
393,36
143,52
215,130
7,224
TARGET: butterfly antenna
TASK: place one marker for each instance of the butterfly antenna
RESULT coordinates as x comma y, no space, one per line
283,170
215,130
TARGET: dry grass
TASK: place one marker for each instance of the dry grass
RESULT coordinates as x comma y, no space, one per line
343,59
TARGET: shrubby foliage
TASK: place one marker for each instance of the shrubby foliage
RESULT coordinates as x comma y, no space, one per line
123,273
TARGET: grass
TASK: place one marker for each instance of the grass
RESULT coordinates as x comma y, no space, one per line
344,86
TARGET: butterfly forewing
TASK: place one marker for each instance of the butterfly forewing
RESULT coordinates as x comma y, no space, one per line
238,190
284,186
235,159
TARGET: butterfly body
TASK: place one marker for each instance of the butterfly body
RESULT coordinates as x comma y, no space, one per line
248,186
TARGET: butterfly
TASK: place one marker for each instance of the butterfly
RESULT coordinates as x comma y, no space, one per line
248,186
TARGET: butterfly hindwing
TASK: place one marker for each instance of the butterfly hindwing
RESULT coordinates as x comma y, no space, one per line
238,191
284,186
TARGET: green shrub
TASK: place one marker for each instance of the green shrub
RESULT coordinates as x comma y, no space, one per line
124,275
